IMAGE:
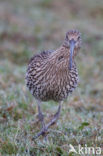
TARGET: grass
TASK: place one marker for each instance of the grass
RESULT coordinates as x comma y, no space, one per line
27,28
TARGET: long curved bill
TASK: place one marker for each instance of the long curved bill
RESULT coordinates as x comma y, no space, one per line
72,46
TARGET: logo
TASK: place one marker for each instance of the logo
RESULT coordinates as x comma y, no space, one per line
72,149
85,150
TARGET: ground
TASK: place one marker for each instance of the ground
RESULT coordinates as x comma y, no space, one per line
27,27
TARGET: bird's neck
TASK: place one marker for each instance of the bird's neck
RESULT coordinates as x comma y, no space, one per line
60,58
61,51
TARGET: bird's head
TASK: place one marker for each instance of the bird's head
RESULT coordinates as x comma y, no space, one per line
73,42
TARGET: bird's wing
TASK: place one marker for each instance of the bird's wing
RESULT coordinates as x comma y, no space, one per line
40,56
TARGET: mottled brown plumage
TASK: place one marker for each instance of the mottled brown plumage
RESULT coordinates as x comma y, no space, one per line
52,75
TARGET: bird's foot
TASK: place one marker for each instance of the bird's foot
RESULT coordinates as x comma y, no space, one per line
43,132
45,128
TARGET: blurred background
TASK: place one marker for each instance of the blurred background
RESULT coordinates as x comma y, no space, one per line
28,27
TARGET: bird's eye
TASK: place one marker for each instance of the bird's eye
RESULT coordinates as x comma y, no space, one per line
78,37
60,57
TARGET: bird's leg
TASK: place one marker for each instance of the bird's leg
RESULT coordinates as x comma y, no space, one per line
41,118
40,114
53,120
55,117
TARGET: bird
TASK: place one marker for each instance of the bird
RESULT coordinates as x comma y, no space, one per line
53,75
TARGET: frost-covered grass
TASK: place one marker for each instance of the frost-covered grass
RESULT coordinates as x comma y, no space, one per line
31,26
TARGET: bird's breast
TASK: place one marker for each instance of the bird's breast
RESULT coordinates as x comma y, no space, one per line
52,84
